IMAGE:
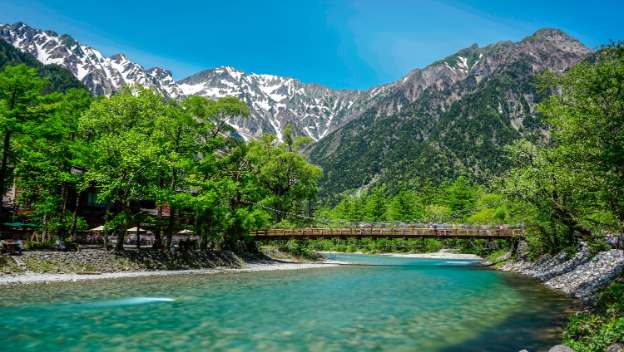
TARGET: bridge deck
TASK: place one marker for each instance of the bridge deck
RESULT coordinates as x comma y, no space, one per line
393,232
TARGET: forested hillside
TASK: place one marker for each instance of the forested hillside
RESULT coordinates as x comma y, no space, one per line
453,127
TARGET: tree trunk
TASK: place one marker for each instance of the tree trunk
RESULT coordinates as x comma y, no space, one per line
158,243
6,149
44,229
138,235
158,233
63,227
106,219
120,240
74,220
105,240
171,227
121,235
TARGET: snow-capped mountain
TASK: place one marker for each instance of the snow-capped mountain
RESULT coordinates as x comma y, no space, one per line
275,101
314,110
102,75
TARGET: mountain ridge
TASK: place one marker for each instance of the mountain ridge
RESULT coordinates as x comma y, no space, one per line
453,118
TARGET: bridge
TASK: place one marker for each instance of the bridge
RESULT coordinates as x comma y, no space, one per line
440,231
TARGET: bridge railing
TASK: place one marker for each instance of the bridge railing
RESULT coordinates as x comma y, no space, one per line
444,232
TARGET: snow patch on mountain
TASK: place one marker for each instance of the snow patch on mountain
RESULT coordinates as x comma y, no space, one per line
101,75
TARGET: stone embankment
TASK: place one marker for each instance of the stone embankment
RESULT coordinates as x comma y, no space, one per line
579,276
100,261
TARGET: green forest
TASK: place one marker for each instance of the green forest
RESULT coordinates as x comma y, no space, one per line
137,146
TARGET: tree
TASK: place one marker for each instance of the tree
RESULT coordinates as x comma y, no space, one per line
124,160
218,169
375,206
20,92
460,195
284,173
48,153
587,119
574,182
239,184
406,206
555,189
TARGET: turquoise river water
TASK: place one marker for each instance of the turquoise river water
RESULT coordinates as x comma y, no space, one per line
394,304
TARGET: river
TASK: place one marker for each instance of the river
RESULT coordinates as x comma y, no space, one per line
385,304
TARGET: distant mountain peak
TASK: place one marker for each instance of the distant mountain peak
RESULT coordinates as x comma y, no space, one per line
553,35
100,74
275,101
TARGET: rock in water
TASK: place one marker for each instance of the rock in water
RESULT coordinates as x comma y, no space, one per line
560,348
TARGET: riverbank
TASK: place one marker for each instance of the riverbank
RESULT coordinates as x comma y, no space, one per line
596,280
33,278
580,276
54,266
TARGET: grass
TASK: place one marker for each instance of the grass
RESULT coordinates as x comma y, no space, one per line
597,329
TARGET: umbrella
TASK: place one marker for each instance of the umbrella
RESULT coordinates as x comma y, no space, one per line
97,229
134,230
185,232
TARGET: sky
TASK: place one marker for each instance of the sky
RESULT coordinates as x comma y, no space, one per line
348,44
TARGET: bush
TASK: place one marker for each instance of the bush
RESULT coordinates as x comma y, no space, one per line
596,330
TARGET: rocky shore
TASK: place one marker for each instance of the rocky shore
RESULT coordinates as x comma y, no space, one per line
580,276
51,266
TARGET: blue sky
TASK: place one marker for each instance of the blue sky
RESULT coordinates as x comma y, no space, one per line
341,44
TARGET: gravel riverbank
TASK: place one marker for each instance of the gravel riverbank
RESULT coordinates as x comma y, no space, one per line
52,266
580,276
33,278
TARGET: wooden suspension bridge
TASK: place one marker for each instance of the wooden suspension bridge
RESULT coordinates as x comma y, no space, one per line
442,232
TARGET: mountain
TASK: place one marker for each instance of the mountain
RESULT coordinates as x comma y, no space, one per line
59,78
275,101
451,118
101,75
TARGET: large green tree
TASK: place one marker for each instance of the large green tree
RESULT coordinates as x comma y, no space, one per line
574,182
51,154
20,97
124,161
587,119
